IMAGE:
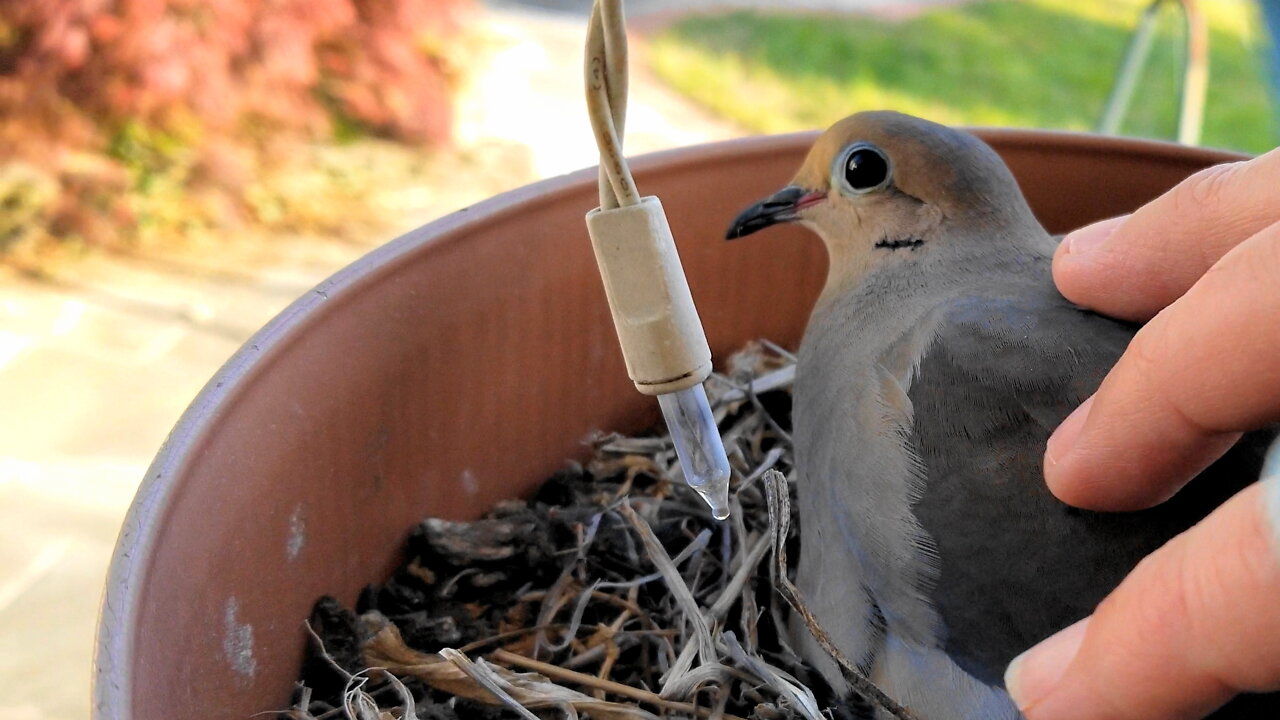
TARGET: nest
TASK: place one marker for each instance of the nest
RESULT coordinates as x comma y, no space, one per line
610,594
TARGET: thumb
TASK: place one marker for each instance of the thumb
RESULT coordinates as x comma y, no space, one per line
1193,625
1132,266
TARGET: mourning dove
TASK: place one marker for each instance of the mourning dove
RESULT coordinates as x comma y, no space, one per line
936,363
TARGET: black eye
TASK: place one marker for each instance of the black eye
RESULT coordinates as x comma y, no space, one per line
865,168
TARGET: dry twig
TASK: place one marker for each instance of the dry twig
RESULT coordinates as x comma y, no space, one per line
780,521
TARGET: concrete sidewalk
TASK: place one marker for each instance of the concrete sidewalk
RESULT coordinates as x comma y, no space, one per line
531,93
93,373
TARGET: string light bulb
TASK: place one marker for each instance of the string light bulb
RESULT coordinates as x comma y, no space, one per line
662,339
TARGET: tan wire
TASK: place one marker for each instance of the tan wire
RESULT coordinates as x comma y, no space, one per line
618,78
606,81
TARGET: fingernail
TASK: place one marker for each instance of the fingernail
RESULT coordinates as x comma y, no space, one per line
1065,435
1034,673
1090,237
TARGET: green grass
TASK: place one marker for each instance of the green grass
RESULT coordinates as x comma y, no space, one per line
1028,63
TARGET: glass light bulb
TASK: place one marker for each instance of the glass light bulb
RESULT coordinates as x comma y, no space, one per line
698,445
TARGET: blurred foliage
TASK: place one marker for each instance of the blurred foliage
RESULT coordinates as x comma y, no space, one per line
1031,63
119,118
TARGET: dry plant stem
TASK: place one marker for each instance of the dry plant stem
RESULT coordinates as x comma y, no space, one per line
672,680
779,502
731,591
722,699
780,351
606,667
452,672
537,595
575,621
555,598
713,674
780,378
357,704
558,673
800,697
504,637
585,658
408,705
463,663
679,590
325,653
612,650
773,424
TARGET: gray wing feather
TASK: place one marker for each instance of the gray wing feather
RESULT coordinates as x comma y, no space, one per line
1015,563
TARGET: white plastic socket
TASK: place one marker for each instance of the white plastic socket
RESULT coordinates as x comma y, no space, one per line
662,339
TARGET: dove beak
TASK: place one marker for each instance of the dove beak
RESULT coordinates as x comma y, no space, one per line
782,206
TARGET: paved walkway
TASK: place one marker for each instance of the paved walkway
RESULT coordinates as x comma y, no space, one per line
93,373
531,90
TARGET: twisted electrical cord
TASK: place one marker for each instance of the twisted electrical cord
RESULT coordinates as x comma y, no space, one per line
606,80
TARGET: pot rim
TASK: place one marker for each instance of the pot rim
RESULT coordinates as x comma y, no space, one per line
145,522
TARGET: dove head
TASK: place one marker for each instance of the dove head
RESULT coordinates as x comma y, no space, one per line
883,187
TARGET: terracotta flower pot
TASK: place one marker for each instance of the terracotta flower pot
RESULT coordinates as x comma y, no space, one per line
456,366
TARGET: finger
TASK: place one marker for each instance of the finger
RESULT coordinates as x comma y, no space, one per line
1200,372
1193,625
1132,266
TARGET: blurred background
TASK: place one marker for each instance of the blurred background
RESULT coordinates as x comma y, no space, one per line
174,172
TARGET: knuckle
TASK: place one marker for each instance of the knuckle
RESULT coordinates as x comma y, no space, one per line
1202,592
1189,589
1147,618
1207,187
1166,599
1174,592
1156,358
1267,268
1250,567
1261,271
1201,589
1268,165
1149,351
1252,267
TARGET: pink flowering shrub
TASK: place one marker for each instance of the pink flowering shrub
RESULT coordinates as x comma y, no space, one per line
102,92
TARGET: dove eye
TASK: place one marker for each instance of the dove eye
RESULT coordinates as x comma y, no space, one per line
863,168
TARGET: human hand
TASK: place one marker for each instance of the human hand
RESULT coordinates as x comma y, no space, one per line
1198,621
